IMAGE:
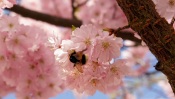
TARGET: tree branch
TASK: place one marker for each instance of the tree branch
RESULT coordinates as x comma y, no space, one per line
44,17
151,73
126,35
155,31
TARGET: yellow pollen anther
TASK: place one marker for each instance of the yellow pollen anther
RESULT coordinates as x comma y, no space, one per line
11,25
113,69
51,85
41,76
14,56
97,13
26,97
1,58
29,81
94,82
39,93
105,45
87,41
32,67
16,41
171,2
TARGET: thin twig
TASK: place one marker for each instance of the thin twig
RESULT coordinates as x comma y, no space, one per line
73,9
172,21
151,73
122,28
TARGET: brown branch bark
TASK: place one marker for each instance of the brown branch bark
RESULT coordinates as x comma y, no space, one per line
44,17
155,32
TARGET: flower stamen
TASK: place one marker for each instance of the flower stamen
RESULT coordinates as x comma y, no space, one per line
171,2
105,45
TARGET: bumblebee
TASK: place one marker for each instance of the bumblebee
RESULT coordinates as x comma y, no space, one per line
78,58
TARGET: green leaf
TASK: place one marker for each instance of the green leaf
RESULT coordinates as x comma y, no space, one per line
73,27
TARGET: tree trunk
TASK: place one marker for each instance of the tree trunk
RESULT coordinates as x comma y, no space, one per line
155,31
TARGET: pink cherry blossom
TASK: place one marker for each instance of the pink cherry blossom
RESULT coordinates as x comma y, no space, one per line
129,96
135,55
57,8
27,63
85,34
7,3
5,88
97,73
36,65
166,8
9,23
103,14
106,47
165,86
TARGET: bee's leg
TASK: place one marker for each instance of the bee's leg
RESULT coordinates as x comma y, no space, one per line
83,61
79,67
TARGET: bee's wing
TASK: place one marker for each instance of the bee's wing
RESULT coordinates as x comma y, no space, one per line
79,67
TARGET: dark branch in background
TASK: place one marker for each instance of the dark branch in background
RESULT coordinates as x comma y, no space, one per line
122,28
151,73
44,17
126,35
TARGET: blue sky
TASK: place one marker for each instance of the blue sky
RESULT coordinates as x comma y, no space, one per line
68,95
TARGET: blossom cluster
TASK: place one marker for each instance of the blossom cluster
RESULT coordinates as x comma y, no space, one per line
166,8
27,63
99,70
61,8
88,62
7,3
136,58
103,14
